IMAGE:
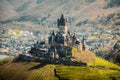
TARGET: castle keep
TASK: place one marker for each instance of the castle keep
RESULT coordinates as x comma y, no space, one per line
59,43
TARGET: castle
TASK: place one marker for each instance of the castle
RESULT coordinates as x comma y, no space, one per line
59,43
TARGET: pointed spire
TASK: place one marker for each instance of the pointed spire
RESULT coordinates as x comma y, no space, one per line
62,18
74,37
53,33
58,22
83,39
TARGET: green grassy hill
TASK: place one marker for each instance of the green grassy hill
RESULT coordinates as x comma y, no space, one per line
99,69
96,69
85,73
91,59
27,71
85,56
37,71
102,62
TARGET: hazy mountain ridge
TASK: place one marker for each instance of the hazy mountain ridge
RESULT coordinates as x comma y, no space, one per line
6,12
47,11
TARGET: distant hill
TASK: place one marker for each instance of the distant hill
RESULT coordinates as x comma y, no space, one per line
47,11
114,56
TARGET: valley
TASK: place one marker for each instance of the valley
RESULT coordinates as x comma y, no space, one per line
94,24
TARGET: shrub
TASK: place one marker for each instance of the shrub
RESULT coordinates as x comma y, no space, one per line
114,3
6,60
90,1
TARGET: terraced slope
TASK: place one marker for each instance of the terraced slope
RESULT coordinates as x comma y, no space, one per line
102,70
44,73
85,73
101,62
85,56
27,71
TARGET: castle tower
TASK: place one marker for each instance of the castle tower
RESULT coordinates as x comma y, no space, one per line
83,43
74,39
62,24
52,38
63,27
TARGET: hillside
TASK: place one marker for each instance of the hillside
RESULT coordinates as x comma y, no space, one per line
24,71
114,56
76,11
38,71
84,56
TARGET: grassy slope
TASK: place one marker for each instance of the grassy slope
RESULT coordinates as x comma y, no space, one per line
85,73
91,59
23,71
85,56
101,62
15,71
28,71
6,60
36,71
44,73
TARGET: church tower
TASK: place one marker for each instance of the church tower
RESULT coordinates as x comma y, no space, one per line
62,24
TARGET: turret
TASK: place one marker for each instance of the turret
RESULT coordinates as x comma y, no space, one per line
74,39
61,21
83,43
52,38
